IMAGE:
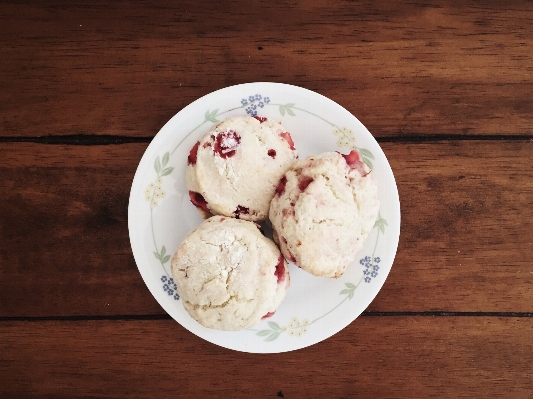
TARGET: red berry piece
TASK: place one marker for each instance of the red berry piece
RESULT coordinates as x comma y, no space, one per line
269,314
353,159
303,182
193,155
198,200
226,143
281,186
280,269
261,119
287,137
241,210
272,153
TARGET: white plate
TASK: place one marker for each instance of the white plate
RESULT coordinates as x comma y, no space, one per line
160,214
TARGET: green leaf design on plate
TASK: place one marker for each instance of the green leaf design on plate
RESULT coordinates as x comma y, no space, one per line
380,224
210,116
286,109
350,290
262,333
366,153
273,325
273,336
367,161
157,165
167,171
165,159
162,256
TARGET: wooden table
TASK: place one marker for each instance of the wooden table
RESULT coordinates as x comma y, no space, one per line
445,87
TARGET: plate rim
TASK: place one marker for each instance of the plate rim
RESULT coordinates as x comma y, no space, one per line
159,139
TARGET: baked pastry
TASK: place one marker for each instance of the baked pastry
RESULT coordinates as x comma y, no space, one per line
229,276
235,168
323,210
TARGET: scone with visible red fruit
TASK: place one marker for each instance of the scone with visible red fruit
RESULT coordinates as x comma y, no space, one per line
235,168
323,211
229,275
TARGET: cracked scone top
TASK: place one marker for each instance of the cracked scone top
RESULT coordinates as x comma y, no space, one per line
323,210
235,168
229,275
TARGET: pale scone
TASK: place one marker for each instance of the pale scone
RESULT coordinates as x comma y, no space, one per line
323,210
235,168
229,276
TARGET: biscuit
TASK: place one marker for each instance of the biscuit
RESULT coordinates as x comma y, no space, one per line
324,208
229,276
235,168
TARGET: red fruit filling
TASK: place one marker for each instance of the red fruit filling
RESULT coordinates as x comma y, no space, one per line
280,269
206,144
191,159
269,314
287,212
352,158
287,137
261,119
241,210
291,257
272,153
198,200
226,143
304,181
281,186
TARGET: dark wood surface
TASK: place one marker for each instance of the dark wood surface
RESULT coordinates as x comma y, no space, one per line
445,87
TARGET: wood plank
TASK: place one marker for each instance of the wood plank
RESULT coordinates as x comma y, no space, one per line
123,69
374,357
465,245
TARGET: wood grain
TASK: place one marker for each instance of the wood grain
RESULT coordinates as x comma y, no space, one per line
122,69
374,357
465,244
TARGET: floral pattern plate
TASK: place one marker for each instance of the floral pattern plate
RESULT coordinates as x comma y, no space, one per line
160,215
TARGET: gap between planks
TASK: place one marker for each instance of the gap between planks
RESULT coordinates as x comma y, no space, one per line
167,317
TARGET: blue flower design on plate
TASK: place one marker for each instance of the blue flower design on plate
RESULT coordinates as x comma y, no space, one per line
251,111
371,267
258,99
170,287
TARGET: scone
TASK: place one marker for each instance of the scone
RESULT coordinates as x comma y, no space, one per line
323,210
235,168
229,275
